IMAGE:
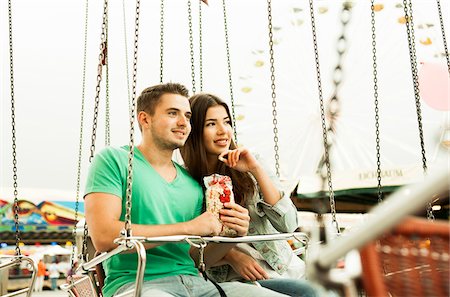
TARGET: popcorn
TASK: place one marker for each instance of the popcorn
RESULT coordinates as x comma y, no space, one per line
219,190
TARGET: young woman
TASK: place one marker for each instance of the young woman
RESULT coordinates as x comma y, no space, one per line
210,149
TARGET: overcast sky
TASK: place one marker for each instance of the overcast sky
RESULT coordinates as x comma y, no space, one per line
48,38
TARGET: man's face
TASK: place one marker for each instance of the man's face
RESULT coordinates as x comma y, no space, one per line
170,124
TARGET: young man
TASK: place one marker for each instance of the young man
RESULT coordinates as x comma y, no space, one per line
166,201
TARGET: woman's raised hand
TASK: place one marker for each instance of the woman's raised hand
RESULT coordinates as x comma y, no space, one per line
239,159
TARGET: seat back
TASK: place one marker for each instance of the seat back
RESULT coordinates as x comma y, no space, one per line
84,285
100,275
411,260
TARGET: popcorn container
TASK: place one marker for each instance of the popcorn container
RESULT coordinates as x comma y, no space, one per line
219,190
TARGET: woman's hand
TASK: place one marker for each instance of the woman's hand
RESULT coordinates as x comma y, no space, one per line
235,217
246,266
240,159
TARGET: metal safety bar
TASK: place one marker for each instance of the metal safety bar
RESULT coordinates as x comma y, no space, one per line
85,267
300,236
16,260
386,215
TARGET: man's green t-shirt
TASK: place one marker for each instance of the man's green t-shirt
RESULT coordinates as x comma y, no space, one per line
154,201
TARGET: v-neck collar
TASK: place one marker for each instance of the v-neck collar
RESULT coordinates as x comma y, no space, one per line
140,156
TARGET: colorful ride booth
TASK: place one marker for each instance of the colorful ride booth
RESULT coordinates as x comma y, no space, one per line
45,234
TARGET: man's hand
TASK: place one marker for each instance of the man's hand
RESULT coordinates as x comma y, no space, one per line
236,217
205,224
246,266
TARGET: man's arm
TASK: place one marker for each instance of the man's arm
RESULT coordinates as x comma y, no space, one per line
233,216
103,211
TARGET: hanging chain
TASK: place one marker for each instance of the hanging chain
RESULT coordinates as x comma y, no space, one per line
13,125
191,46
412,55
375,95
272,79
200,44
131,153
101,61
126,53
230,81
322,111
107,105
161,42
413,60
80,144
441,20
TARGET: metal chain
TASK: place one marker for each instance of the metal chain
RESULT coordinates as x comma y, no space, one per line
191,46
80,144
101,60
322,112
107,105
375,95
126,53
13,125
161,42
200,44
131,153
230,81
272,79
441,20
412,55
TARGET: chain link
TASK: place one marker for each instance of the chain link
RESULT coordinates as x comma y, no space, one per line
272,79
13,131
191,46
161,41
131,153
413,60
441,20
230,81
107,105
375,95
80,145
101,61
200,44
322,112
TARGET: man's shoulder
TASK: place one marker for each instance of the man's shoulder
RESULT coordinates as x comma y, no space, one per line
112,152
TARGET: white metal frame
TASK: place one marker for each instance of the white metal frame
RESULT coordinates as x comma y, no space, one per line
17,260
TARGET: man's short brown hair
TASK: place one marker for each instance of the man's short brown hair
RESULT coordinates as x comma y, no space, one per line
150,97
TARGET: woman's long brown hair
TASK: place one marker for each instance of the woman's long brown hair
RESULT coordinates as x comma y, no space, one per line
194,151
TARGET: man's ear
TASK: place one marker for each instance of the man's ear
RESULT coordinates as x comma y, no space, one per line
143,119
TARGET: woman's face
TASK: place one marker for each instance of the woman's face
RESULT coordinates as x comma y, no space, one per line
217,130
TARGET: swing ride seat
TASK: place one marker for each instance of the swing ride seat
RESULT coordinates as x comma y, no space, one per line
17,261
85,285
89,282
411,260
100,275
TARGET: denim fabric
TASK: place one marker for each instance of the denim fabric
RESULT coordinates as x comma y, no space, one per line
267,219
290,287
195,286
